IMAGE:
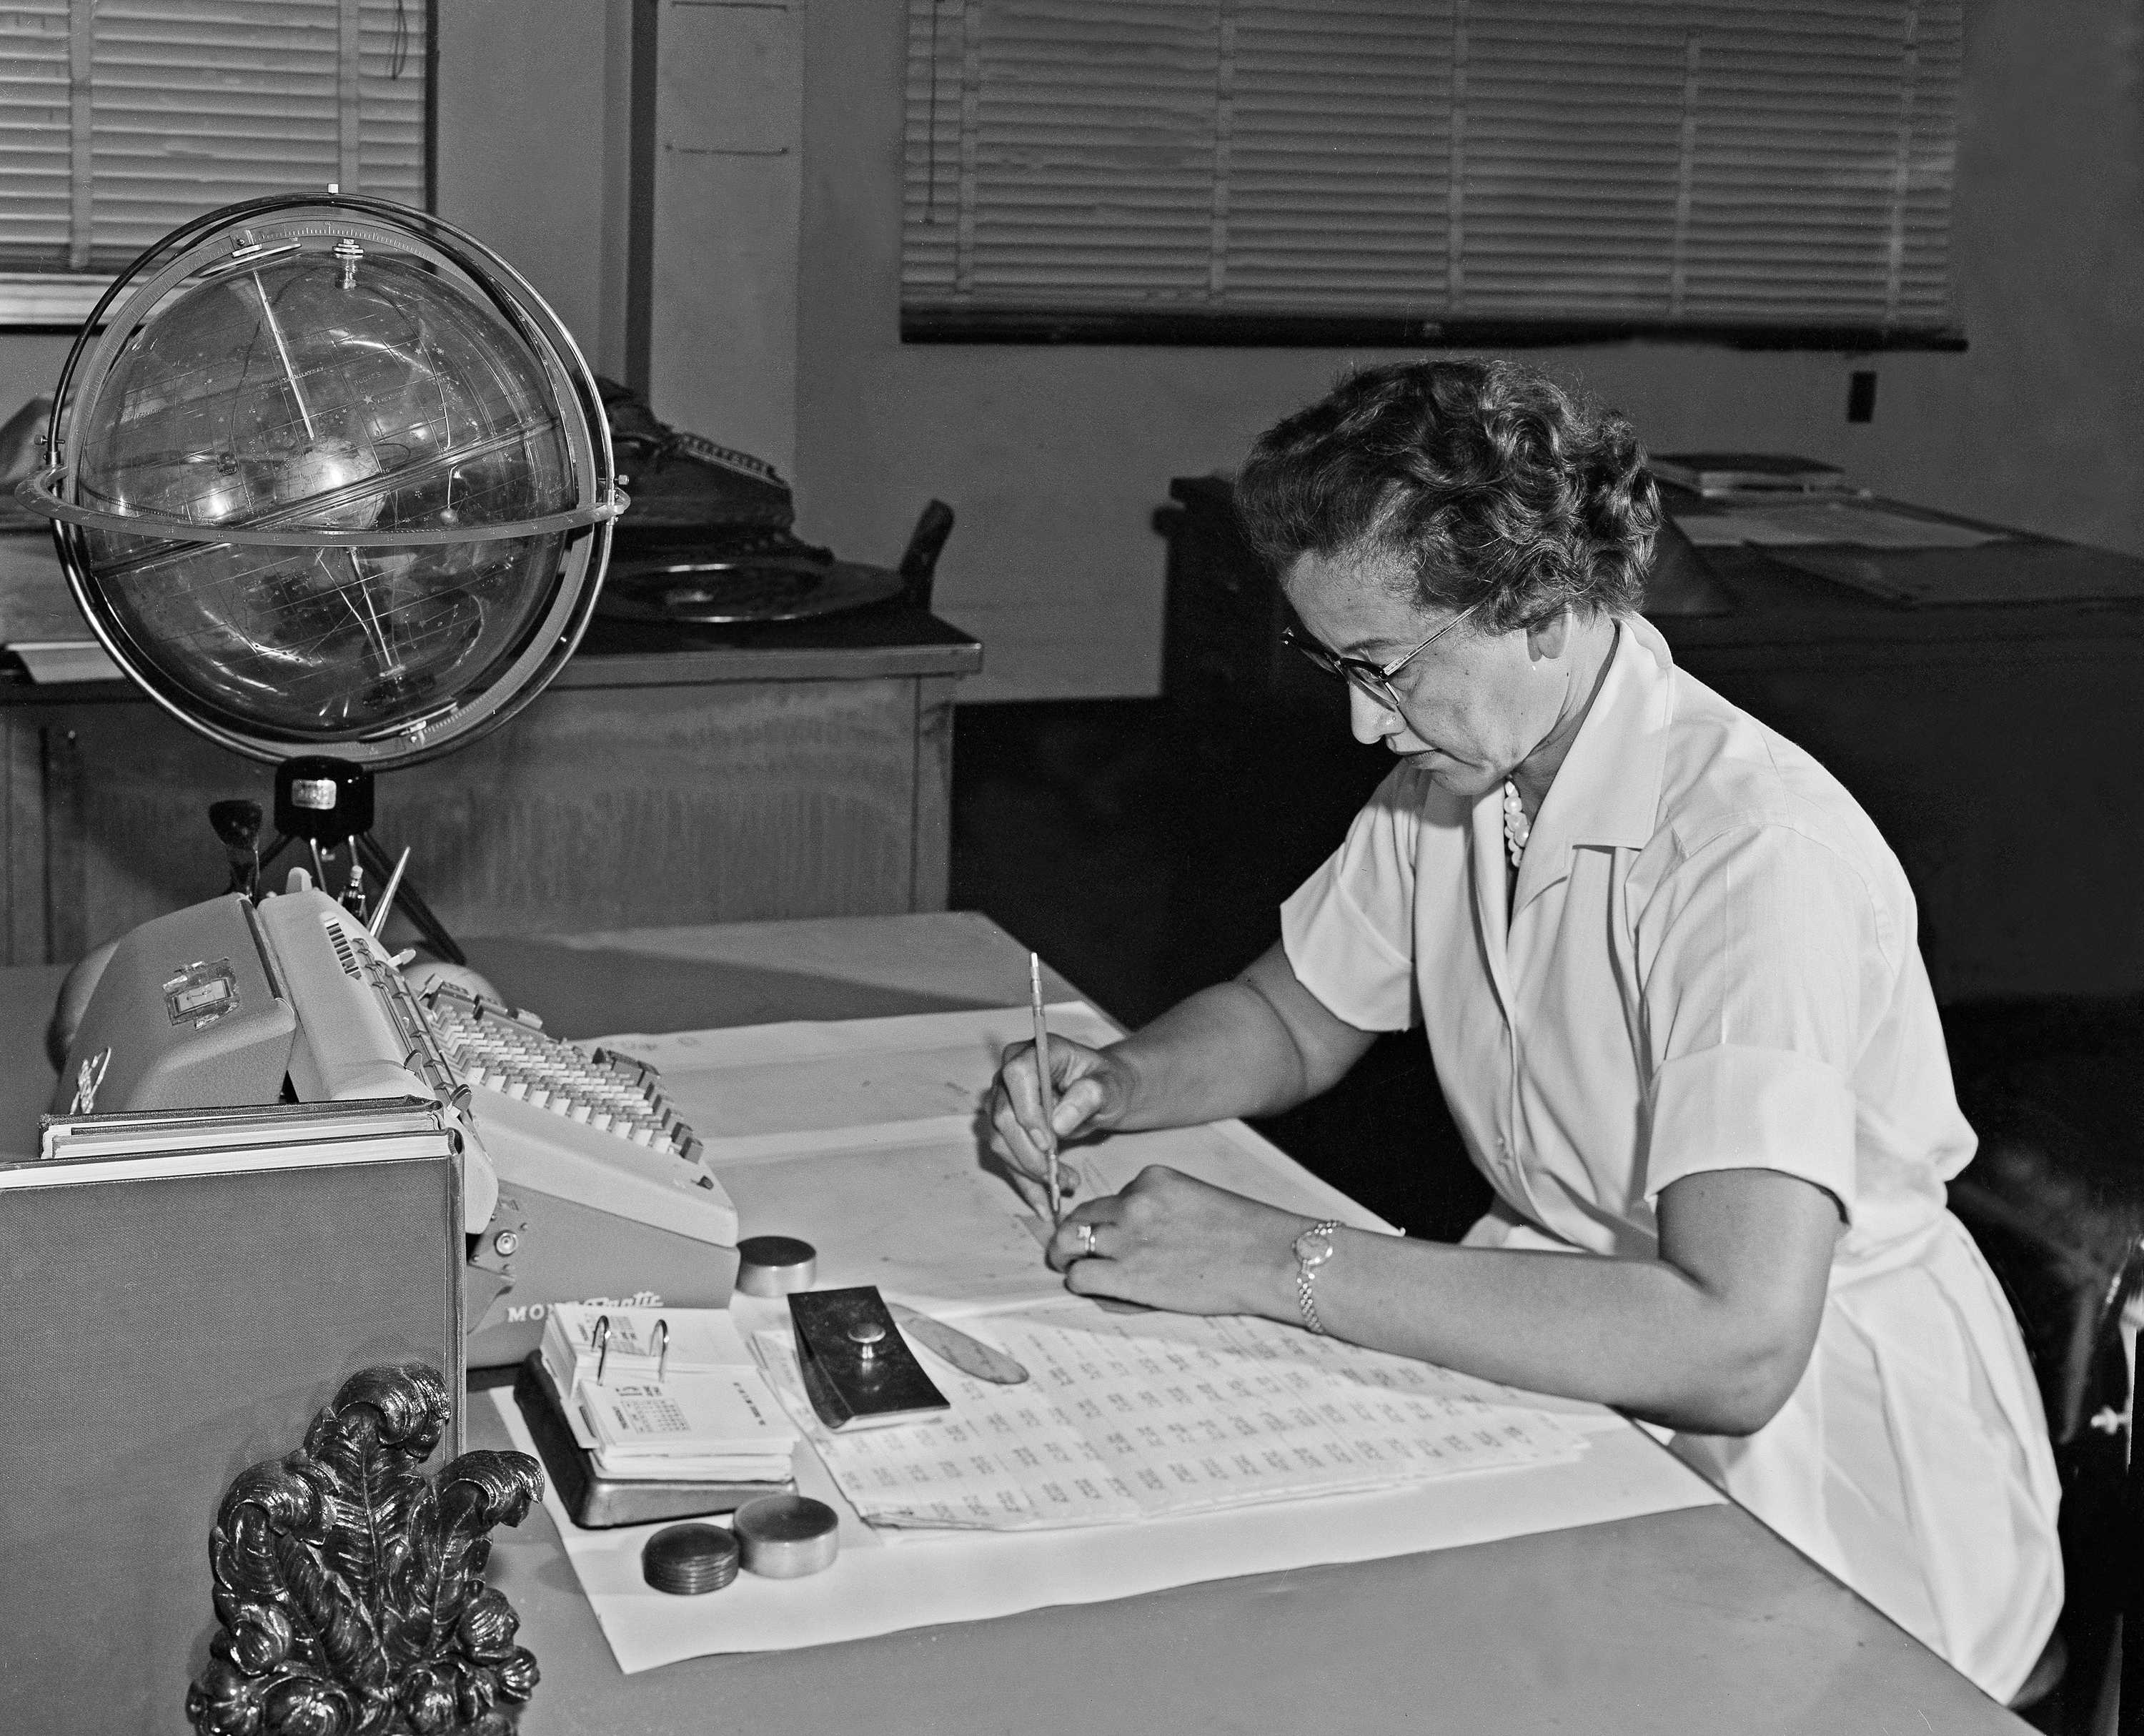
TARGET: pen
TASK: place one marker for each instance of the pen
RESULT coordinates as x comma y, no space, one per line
1042,1082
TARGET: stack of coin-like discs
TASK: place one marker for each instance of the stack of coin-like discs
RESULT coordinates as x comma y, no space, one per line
686,1560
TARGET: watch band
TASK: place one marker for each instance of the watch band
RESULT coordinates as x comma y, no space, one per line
1307,1259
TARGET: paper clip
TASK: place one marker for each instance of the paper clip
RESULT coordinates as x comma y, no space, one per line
662,1336
601,1336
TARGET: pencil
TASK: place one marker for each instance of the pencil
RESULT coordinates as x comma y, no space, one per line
1043,1083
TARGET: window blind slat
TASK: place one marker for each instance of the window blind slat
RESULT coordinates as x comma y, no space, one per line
197,103
1662,159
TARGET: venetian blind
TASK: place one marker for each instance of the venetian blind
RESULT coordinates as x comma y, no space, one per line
120,119
1706,163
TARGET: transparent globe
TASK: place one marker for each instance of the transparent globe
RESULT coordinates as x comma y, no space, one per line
331,478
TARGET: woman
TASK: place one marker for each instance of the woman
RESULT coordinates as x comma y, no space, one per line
1668,974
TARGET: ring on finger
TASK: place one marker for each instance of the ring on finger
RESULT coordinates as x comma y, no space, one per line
1086,1241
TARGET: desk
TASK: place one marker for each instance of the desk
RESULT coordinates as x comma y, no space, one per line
1698,1620
1995,747
803,769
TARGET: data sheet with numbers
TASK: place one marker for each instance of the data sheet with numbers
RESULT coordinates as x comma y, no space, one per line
1131,1416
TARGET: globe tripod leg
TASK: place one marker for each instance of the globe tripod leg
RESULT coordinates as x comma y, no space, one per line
429,926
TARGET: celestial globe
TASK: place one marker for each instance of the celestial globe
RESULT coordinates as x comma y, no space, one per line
328,476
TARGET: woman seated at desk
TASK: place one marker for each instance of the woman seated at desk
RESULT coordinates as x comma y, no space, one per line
1669,975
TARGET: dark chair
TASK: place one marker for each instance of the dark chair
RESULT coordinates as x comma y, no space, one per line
2055,1197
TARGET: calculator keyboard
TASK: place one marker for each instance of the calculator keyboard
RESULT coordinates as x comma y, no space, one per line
504,1050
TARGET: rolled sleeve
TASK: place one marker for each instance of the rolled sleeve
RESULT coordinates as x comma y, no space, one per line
1731,1108
1348,929
1764,967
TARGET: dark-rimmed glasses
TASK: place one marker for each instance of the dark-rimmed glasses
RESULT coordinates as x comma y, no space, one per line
1374,679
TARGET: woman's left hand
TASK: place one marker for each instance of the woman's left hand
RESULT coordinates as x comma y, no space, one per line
1173,1241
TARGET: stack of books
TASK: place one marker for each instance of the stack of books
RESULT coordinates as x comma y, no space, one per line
646,1413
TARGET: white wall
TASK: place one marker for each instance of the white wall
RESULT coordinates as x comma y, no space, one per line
1056,458
728,178
533,151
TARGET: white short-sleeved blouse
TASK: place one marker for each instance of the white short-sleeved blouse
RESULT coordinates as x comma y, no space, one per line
1708,962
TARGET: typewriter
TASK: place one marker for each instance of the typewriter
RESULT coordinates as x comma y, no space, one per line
580,1182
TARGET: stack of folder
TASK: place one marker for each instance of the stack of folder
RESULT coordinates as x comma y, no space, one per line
184,1290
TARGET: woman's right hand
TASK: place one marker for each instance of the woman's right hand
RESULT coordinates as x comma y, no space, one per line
1090,1088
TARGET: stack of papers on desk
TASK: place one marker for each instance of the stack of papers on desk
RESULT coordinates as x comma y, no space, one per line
711,1428
699,1411
1158,1415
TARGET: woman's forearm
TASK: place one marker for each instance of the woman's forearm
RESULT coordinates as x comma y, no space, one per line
1640,1335
1255,1045
1712,1335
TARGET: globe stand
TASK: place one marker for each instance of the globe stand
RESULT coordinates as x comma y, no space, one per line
325,802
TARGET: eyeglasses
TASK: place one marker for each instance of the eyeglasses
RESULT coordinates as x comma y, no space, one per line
1374,679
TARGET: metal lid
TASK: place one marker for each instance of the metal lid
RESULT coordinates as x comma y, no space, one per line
686,1560
776,1265
787,1536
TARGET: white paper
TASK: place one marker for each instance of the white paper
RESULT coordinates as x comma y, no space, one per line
754,1081
693,1341
938,1222
865,1137
1125,1419
926,1578
730,1414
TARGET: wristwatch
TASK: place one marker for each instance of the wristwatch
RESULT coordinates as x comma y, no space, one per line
1314,1247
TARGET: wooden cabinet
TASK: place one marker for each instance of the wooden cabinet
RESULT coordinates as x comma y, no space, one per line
661,780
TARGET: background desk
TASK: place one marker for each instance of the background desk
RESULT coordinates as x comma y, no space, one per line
675,776
1996,747
1699,1620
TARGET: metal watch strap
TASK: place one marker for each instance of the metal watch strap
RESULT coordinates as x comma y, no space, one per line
1306,1273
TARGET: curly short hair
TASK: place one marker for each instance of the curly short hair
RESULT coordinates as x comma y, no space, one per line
1494,484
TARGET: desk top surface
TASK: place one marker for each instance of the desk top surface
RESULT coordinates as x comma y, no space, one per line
1698,1620
894,637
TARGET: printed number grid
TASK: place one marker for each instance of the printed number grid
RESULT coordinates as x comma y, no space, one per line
641,1413
1138,1418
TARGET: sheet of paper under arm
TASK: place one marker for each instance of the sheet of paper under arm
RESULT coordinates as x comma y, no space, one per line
921,1578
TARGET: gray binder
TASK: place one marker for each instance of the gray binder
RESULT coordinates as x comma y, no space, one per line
159,1333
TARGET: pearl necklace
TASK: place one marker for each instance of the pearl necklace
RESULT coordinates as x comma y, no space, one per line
1517,828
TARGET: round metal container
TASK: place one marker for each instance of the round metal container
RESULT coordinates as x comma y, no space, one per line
786,1536
776,1265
